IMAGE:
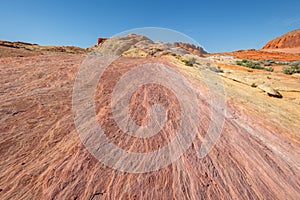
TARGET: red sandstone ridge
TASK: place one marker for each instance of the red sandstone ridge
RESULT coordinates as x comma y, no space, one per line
196,50
271,54
289,40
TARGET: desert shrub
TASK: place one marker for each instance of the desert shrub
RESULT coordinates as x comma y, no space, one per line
291,70
287,70
253,85
270,69
253,65
189,62
220,70
249,64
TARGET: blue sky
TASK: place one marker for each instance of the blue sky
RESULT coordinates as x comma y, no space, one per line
217,25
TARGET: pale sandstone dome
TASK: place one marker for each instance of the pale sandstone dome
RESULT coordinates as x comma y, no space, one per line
142,46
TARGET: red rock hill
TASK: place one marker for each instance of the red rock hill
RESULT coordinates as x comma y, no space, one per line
289,40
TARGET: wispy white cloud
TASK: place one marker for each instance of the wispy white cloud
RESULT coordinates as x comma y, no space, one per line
285,22
292,21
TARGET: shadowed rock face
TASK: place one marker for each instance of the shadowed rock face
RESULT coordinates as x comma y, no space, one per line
101,40
193,49
289,40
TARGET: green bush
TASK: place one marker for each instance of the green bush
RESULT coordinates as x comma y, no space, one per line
294,68
270,69
189,62
253,65
290,71
249,64
253,85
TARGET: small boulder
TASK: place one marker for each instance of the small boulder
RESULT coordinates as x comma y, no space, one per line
270,91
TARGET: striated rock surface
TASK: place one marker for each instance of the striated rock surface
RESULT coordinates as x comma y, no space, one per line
42,156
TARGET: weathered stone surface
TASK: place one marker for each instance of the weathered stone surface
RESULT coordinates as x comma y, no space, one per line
42,156
141,46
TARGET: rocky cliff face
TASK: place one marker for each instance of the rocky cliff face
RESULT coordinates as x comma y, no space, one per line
193,49
289,40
